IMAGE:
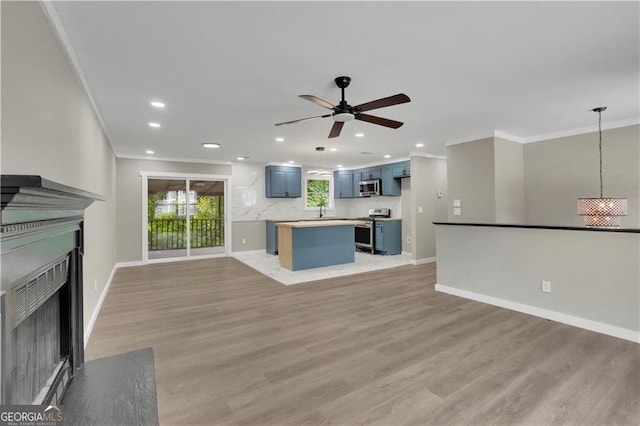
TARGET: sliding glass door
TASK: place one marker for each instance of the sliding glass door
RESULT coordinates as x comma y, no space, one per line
184,218
206,217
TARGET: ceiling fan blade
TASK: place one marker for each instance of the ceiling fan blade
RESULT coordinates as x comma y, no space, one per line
316,100
336,129
400,98
304,119
379,120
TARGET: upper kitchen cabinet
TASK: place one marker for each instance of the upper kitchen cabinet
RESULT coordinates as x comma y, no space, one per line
371,173
402,169
390,185
346,183
283,182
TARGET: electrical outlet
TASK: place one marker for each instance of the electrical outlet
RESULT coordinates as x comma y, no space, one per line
420,209
546,286
457,211
244,241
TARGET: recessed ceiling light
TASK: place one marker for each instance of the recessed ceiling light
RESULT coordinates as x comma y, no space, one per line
359,135
149,151
419,145
291,162
387,156
152,124
243,158
158,104
211,145
339,165
333,149
279,139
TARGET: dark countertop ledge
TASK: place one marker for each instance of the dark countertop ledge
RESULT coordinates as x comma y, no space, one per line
561,228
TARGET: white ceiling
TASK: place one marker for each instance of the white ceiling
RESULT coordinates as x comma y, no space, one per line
228,71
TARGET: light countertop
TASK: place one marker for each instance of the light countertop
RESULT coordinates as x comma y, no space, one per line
305,219
319,223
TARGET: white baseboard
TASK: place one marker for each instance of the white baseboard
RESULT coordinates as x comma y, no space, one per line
599,327
423,261
96,311
249,252
129,264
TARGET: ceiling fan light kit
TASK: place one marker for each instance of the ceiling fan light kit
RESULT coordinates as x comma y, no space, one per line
344,112
343,116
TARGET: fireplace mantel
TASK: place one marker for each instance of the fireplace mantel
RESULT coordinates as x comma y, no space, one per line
29,198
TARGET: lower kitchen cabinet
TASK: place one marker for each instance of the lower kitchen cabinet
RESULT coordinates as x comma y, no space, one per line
389,236
272,237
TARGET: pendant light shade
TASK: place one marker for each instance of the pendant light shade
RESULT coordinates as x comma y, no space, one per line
602,212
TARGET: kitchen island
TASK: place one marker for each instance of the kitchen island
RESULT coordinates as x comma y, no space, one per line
315,243
272,229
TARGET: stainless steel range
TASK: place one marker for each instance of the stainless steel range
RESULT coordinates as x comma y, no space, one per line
365,233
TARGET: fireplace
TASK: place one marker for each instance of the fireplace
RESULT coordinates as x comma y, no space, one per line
41,236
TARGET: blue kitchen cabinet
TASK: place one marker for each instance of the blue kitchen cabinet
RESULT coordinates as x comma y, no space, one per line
390,185
370,173
283,182
402,169
346,184
388,236
272,237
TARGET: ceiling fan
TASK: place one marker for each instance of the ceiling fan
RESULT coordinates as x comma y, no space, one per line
345,112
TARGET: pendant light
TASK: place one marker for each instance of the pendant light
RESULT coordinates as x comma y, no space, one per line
602,212
318,171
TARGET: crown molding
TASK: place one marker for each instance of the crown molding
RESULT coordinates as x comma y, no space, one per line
503,135
583,130
427,155
173,159
547,136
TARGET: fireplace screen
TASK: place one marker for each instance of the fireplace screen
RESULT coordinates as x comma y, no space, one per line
37,352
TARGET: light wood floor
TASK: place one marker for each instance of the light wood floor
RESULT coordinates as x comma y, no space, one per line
233,347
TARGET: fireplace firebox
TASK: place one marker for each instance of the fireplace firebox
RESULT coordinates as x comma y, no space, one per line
41,327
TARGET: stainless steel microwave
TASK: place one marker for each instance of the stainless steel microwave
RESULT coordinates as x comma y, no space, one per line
370,187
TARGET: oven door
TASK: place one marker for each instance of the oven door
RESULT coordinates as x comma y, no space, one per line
364,236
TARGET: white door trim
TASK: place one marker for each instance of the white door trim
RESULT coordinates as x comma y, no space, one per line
226,179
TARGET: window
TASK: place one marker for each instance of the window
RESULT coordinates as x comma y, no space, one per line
318,192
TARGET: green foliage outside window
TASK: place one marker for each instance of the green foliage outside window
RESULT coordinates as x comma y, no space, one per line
317,193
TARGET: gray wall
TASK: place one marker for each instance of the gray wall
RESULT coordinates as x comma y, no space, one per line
509,181
428,176
559,171
249,235
471,179
49,128
593,275
407,215
129,198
